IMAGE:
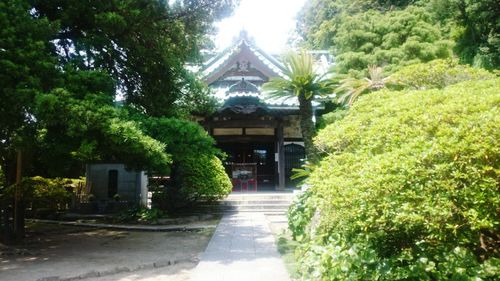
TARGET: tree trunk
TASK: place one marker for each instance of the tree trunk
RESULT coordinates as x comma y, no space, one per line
307,127
12,209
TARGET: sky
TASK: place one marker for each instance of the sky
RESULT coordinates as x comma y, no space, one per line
269,22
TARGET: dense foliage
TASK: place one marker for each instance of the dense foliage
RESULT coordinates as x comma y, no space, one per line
196,171
203,177
142,44
390,39
408,189
26,69
395,33
62,65
437,74
475,27
52,194
105,135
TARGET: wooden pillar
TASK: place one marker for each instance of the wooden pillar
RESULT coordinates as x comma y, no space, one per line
18,200
281,157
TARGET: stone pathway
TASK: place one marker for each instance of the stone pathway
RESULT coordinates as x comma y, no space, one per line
242,248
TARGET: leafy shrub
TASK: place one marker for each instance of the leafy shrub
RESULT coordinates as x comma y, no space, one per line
202,177
332,117
409,188
299,215
142,215
196,171
52,194
438,74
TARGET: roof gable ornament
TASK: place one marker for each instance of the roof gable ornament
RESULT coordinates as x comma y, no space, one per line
243,87
243,35
244,57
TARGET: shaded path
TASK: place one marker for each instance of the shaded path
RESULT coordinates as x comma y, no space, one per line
242,248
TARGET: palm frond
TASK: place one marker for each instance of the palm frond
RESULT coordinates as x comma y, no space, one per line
300,79
351,88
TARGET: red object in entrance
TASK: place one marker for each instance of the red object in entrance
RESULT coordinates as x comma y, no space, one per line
244,176
244,185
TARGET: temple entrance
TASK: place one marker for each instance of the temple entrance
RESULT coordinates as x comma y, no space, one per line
259,155
294,158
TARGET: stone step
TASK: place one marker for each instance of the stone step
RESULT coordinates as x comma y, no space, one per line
265,212
245,206
261,206
255,202
260,197
268,203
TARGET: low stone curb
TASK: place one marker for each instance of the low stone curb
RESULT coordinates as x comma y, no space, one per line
165,228
117,270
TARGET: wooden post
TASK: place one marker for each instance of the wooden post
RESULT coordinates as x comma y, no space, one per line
281,157
18,204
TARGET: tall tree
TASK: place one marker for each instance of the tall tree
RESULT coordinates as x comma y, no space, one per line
319,20
142,44
27,68
393,33
389,39
475,26
304,83
61,63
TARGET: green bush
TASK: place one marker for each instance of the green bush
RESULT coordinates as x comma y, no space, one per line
300,214
142,215
332,117
409,189
438,74
196,172
202,177
52,194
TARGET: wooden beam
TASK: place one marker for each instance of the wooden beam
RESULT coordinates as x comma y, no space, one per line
250,123
244,139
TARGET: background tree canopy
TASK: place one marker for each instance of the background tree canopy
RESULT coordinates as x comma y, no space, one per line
396,33
143,45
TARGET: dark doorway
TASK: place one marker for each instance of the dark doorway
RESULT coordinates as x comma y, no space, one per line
112,183
294,158
260,153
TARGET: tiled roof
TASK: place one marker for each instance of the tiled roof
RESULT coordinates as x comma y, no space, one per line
237,83
218,61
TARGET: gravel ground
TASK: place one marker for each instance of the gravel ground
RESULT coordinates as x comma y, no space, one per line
63,253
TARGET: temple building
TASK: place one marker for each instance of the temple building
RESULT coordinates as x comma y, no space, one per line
260,136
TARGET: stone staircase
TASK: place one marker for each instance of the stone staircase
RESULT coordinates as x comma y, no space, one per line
265,202
269,203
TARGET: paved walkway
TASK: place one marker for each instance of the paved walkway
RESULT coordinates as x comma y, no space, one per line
242,248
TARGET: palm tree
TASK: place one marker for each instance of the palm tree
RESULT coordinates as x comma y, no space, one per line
351,88
301,81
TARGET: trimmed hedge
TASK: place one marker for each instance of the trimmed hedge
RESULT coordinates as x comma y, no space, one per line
409,189
438,74
196,171
203,177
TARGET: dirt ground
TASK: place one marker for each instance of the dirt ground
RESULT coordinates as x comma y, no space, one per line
54,253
